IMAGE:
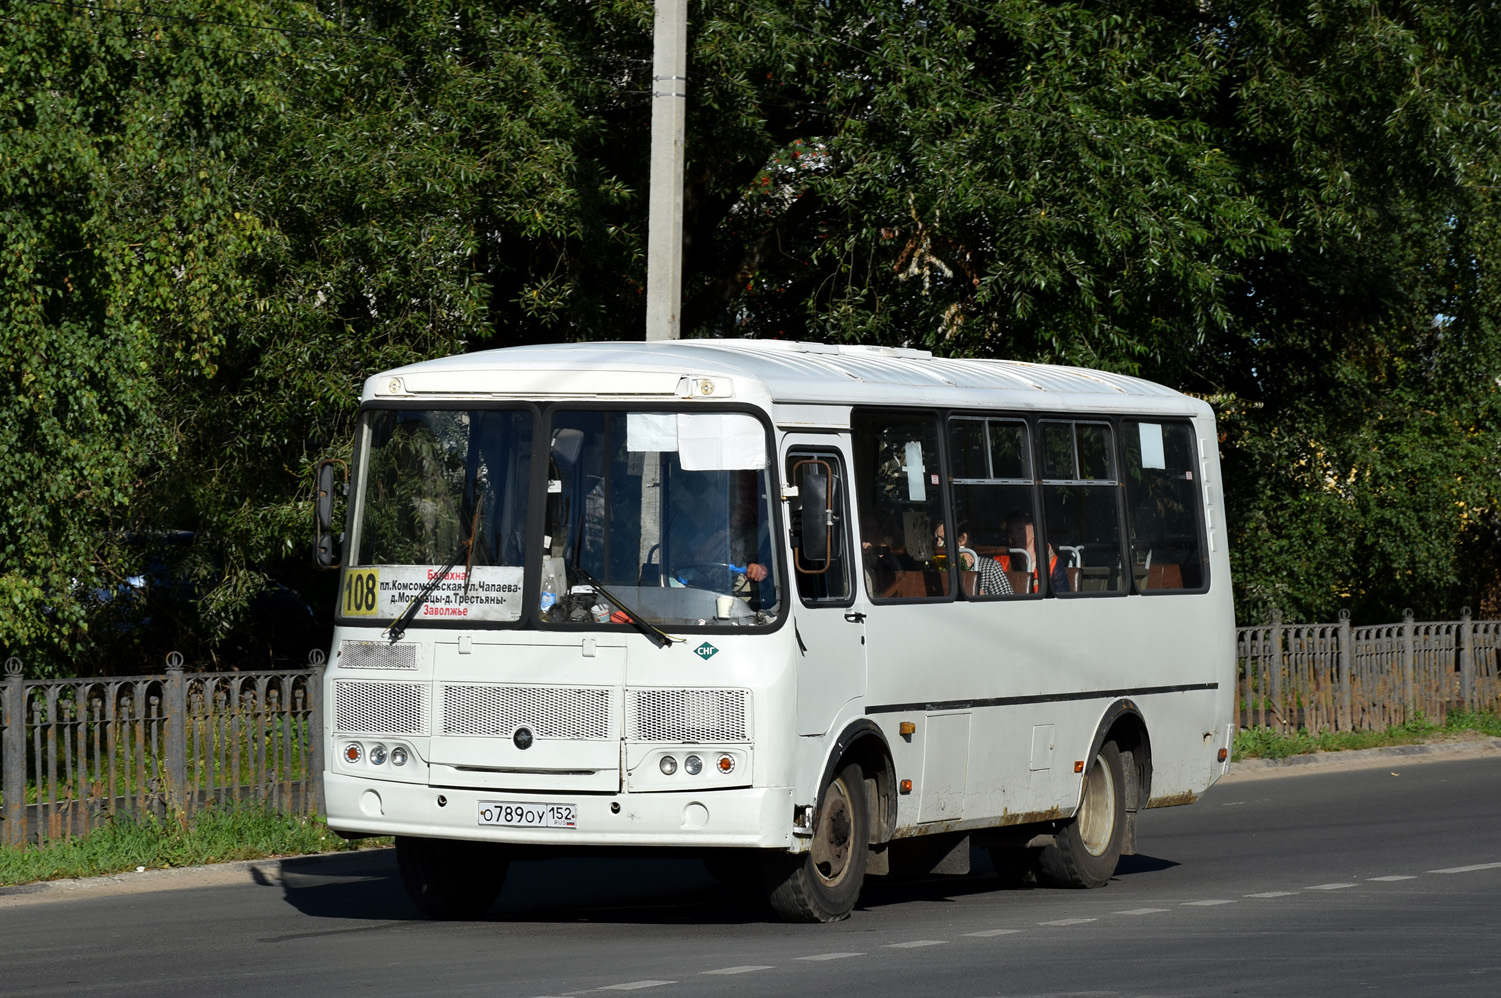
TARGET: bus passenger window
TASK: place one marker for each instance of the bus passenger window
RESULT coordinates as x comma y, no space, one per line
1162,506
899,492
1081,507
991,474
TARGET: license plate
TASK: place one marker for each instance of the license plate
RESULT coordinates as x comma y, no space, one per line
527,815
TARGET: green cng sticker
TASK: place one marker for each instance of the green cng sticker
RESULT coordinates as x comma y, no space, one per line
706,651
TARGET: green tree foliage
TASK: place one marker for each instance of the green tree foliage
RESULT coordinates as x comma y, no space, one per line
217,217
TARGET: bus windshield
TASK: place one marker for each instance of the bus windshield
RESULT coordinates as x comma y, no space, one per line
668,511
659,516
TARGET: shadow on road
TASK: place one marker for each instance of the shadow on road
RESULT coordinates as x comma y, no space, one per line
365,887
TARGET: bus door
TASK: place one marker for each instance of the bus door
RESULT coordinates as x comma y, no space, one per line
829,617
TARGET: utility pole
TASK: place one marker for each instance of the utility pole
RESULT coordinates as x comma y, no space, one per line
669,114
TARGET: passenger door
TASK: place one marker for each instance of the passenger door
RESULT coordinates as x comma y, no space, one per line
828,614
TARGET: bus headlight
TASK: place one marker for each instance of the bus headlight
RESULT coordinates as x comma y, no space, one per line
669,765
377,754
693,765
399,756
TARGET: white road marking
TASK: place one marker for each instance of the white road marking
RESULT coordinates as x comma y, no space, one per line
1391,879
1205,904
1069,921
1330,887
916,943
740,970
1141,911
635,985
1469,869
992,932
830,956
1273,894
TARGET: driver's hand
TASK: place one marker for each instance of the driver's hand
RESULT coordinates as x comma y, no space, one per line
755,572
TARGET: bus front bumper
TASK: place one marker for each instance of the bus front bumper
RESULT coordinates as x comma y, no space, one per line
756,817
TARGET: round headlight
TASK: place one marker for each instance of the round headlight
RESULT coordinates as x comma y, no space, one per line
669,765
693,765
399,756
353,752
377,754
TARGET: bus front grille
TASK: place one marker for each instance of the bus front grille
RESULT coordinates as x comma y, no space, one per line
380,708
695,715
574,712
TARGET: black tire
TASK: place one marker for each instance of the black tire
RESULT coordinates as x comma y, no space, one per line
823,884
449,879
1086,850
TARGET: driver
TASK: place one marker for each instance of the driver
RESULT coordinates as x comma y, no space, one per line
712,530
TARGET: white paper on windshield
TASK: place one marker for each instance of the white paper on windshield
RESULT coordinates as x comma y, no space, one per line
651,431
494,592
1152,455
720,441
916,491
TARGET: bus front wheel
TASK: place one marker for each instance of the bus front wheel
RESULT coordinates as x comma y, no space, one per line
448,879
823,884
1086,850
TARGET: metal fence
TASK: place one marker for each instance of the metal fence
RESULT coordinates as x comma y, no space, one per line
1335,677
77,753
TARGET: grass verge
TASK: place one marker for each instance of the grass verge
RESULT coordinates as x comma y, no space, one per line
215,835
1263,743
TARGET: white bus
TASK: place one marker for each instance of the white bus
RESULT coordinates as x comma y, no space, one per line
814,613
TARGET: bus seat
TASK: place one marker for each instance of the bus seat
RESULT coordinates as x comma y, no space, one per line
969,581
1073,579
1021,582
906,585
1162,576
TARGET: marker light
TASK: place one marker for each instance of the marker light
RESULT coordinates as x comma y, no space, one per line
1224,754
906,787
353,752
669,765
693,765
377,754
399,756
1079,766
726,764
906,729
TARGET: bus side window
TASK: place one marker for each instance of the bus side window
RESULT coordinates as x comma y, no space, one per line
899,492
819,521
990,468
1162,506
1081,497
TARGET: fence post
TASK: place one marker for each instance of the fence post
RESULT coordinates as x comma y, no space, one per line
1409,692
176,734
13,752
1278,706
317,663
1345,718
1466,659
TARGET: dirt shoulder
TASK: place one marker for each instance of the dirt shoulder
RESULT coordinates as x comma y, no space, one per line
1460,745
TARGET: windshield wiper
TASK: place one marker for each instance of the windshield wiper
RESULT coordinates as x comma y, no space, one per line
658,637
398,627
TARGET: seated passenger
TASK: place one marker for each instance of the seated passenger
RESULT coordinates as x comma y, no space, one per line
993,581
1024,538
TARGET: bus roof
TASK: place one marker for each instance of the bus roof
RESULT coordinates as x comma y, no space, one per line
771,371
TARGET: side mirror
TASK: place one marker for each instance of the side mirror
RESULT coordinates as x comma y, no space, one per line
325,550
816,517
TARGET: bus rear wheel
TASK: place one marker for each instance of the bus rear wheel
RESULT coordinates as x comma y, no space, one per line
448,879
823,884
1086,850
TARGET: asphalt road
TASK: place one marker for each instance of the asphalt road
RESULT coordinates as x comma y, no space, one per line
1378,881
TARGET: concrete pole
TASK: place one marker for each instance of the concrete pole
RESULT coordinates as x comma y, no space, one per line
669,114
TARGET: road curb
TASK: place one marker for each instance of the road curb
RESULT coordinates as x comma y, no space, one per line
1436,751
